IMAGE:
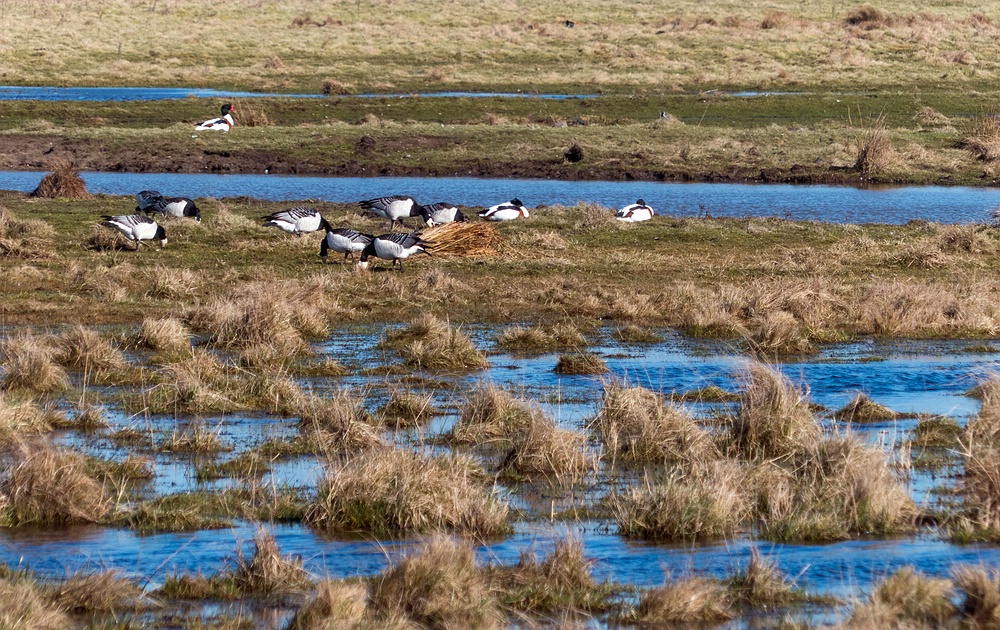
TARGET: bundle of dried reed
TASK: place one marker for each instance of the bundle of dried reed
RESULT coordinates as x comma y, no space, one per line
463,239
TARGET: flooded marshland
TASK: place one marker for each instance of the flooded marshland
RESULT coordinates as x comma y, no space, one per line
919,381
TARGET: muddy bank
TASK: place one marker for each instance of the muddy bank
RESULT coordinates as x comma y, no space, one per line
45,152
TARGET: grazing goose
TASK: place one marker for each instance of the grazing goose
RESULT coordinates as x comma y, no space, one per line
509,211
146,199
296,220
225,123
394,246
136,228
441,212
174,207
394,208
635,212
344,241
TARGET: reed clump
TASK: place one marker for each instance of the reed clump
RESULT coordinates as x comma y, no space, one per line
761,584
558,454
389,491
907,597
561,581
50,486
267,571
684,600
27,606
492,414
336,605
437,586
581,363
980,590
637,425
407,409
863,409
167,334
339,422
85,350
541,338
198,383
30,363
430,343
705,502
19,419
984,143
774,419
64,182
875,153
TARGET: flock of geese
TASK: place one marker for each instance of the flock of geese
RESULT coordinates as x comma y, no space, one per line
393,246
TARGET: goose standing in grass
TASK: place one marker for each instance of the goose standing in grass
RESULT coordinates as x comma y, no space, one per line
146,199
440,213
297,220
136,228
635,212
174,207
394,208
509,211
344,241
394,246
224,123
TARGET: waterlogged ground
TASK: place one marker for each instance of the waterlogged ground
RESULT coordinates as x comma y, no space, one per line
913,378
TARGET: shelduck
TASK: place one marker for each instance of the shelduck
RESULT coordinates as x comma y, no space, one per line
146,199
441,212
635,212
136,228
296,220
509,211
174,207
225,123
394,208
344,241
394,246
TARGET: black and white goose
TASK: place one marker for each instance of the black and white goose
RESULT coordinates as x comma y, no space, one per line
146,199
175,207
296,220
224,123
136,228
394,246
344,241
441,212
635,212
509,211
394,208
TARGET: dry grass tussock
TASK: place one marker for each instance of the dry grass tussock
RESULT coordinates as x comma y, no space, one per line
580,363
761,584
492,414
267,572
705,502
560,455
167,283
20,419
250,114
980,588
262,313
25,606
875,153
984,143
562,580
861,408
30,363
24,238
834,489
541,338
437,586
106,591
197,383
50,486
906,596
479,240
167,334
686,600
774,419
386,491
639,425
64,182
340,422
430,343
84,349
336,605
406,409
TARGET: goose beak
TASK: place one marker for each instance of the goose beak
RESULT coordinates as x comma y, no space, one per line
163,242
362,266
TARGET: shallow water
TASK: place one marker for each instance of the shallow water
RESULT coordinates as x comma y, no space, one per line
834,204
926,377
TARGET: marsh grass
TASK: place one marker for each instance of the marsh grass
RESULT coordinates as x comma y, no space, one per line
438,585
637,334
336,604
980,590
558,454
762,584
267,571
195,439
492,414
389,491
24,238
861,408
29,363
907,596
561,581
26,605
430,343
89,418
706,502
686,600
984,143
637,425
406,409
541,338
937,432
167,334
104,591
50,486
19,419
774,419
580,363
84,350
340,422
875,153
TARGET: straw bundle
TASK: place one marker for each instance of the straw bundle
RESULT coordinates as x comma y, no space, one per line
462,239
64,182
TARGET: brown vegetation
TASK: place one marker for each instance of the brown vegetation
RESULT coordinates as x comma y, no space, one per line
774,419
432,343
64,182
49,486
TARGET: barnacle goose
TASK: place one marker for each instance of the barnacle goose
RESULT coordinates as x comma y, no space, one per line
441,212
394,208
136,228
344,241
296,220
394,246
